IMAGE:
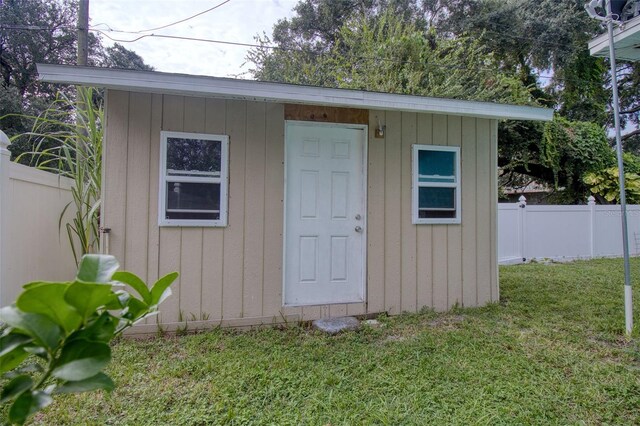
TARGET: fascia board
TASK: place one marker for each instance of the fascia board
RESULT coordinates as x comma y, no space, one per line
191,85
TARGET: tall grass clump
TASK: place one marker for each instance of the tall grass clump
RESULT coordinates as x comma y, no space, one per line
66,139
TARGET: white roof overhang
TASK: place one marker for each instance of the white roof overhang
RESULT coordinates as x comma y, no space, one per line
193,85
626,42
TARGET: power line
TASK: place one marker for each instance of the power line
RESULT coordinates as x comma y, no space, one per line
39,28
34,27
262,46
110,29
253,45
259,46
233,43
271,47
186,19
511,36
464,28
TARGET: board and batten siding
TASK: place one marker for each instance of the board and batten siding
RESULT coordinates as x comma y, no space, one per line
233,275
436,266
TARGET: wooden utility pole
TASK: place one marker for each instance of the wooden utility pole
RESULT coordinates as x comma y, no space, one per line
83,32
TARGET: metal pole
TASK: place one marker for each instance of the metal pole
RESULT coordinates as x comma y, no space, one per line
628,296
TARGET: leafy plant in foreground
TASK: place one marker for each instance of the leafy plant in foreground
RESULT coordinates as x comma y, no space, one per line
67,326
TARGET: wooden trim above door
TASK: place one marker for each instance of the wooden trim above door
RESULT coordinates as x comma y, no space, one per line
326,114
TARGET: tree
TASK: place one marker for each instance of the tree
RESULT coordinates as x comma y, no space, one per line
35,31
629,91
534,35
556,40
571,150
558,153
118,56
32,31
536,51
388,54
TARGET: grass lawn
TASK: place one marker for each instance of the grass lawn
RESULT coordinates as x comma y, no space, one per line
551,352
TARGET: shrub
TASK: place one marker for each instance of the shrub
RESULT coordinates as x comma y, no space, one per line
56,335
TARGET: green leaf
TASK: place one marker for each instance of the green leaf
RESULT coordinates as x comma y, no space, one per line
12,350
27,404
41,399
97,268
100,329
12,341
29,368
87,297
119,300
40,327
48,299
135,309
15,387
160,290
135,282
145,316
21,408
12,359
81,359
36,350
99,381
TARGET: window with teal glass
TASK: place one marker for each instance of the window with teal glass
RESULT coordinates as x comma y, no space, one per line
436,184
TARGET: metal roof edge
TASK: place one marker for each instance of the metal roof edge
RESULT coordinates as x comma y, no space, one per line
194,85
599,46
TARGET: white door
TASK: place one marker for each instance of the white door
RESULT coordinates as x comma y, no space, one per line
325,228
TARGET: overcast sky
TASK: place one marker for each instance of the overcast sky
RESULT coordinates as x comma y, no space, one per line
235,21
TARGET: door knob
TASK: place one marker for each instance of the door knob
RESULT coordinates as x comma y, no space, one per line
358,217
358,228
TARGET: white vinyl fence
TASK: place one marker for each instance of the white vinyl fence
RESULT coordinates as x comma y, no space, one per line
31,247
564,232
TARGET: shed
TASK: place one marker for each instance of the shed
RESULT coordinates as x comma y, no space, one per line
280,202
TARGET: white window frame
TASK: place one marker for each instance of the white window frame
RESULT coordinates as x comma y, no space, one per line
416,185
223,179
